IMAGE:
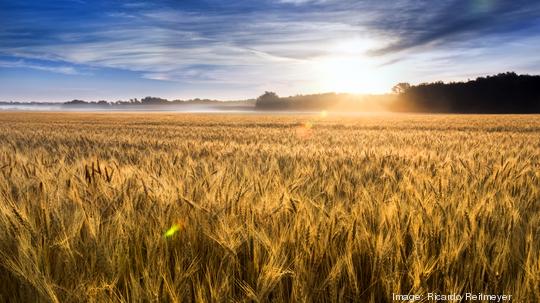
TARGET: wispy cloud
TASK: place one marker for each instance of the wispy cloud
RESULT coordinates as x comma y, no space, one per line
255,43
67,70
167,45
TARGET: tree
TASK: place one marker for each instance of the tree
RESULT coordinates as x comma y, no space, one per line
400,88
154,101
269,100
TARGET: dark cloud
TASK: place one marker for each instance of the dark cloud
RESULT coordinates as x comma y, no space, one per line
414,23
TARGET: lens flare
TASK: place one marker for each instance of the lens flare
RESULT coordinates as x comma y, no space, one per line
304,131
324,114
174,229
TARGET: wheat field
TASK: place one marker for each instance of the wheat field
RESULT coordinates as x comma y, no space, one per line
155,207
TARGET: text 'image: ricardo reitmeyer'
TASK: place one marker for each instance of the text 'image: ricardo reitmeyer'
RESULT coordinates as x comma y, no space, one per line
431,296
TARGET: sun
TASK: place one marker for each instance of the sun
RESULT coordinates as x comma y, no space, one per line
346,70
352,75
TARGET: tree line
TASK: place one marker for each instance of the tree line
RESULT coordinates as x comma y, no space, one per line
144,101
325,101
501,93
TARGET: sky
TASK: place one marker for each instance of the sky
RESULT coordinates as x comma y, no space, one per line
181,49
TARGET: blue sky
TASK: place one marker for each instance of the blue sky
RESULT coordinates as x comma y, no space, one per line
62,50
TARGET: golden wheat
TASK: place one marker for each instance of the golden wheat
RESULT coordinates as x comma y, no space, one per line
202,208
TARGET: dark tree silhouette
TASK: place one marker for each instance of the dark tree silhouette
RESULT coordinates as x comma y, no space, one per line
325,101
502,93
154,101
270,100
400,88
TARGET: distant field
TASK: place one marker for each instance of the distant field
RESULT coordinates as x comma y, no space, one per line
311,208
